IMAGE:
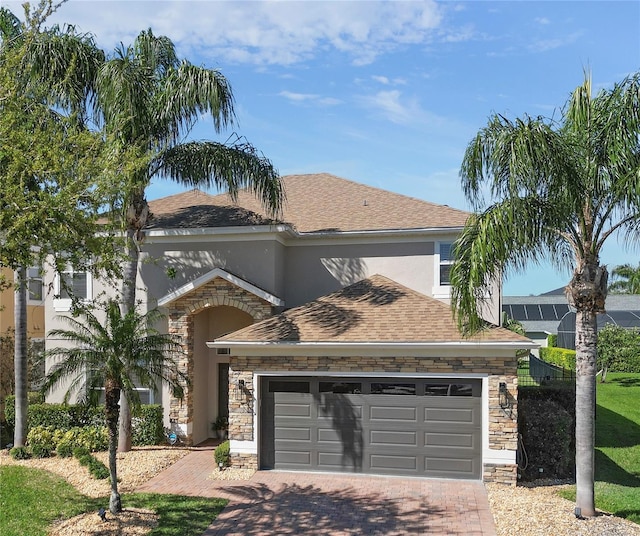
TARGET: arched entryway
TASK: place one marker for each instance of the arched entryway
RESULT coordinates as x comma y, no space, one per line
211,366
199,315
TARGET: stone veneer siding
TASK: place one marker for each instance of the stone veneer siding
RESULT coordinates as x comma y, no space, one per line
503,427
215,293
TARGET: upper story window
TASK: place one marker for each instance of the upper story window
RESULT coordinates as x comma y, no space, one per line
443,261
446,260
35,285
71,284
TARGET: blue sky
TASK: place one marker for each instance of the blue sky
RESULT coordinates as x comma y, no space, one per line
385,93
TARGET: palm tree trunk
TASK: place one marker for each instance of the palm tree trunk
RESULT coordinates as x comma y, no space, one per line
586,339
20,357
130,273
137,215
112,397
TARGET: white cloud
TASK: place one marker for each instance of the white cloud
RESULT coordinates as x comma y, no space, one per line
262,32
542,20
395,107
544,45
386,81
309,97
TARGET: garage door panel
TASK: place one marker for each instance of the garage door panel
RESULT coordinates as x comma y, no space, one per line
341,413
393,437
452,415
444,439
292,410
293,458
393,462
388,413
331,435
295,434
452,466
339,462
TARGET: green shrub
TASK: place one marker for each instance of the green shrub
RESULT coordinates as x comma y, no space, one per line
547,431
20,453
80,452
147,426
619,349
33,398
559,356
41,441
552,340
92,438
64,449
221,454
97,469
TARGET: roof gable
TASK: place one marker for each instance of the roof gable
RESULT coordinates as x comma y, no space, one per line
374,310
315,203
223,274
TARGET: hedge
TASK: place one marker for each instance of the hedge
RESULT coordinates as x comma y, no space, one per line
147,423
559,356
546,422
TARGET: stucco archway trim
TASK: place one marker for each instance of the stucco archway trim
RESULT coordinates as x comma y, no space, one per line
223,274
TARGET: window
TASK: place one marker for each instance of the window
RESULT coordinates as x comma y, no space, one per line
454,389
276,386
446,260
35,285
388,388
341,387
71,284
442,263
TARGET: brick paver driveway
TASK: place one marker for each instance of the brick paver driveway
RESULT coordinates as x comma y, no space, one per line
287,503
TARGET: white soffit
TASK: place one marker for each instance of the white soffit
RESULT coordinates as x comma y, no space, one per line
223,274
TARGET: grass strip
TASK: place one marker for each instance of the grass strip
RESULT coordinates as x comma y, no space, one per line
32,499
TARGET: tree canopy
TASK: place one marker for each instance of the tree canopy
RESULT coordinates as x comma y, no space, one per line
558,191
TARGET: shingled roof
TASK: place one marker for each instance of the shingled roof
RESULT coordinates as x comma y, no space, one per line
374,310
314,203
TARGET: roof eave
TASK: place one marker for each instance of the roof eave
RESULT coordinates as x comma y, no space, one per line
379,349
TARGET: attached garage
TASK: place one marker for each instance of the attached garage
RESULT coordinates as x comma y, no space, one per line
376,379
411,426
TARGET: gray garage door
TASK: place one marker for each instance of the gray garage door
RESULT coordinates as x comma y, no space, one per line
416,427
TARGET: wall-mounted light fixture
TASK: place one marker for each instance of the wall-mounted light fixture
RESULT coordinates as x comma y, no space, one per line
503,396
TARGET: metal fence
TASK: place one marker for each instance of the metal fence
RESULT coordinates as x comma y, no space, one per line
540,372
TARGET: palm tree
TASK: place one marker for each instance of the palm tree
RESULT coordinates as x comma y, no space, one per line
27,96
148,101
627,280
558,191
113,352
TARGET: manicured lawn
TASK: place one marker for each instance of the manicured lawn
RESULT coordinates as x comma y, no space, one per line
31,499
617,484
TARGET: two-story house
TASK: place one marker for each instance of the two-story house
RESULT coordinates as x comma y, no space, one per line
326,336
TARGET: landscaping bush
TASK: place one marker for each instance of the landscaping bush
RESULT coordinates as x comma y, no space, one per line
559,356
221,454
33,398
147,426
92,438
97,469
547,429
20,453
619,349
42,441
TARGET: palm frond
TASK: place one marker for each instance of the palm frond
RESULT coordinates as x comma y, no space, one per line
226,167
